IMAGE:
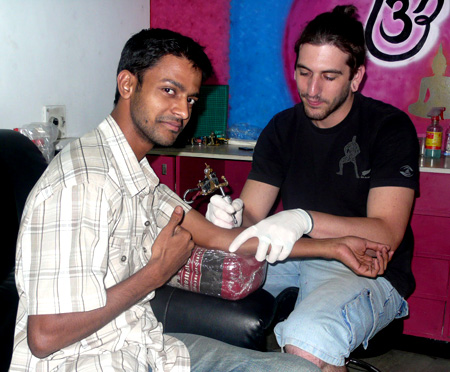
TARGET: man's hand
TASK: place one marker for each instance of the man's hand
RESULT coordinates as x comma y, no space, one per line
362,256
220,212
279,232
172,247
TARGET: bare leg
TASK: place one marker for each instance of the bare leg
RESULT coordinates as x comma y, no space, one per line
325,367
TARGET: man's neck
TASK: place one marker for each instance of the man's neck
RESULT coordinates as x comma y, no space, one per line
139,146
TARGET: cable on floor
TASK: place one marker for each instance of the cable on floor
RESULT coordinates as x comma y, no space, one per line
367,367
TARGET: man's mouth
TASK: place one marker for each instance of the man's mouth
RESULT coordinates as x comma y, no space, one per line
313,102
173,125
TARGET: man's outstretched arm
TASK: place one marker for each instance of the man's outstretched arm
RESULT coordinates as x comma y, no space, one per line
362,256
388,213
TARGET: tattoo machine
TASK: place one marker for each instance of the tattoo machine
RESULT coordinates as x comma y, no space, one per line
209,185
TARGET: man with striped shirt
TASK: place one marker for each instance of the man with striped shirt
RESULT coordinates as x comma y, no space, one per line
99,233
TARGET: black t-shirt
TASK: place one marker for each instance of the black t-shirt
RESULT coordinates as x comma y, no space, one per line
332,170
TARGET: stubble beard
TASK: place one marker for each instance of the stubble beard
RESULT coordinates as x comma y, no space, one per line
331,107
149,132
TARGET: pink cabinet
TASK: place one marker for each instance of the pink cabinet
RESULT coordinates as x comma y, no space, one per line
426,318
430,303
164,167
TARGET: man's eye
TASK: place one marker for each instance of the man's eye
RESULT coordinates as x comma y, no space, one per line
192,101
169,91
329,78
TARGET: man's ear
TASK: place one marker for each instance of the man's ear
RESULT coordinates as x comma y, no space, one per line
126,83
357,78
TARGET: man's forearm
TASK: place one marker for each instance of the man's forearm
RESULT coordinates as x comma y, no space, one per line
206,234
388,213
49,333
375,229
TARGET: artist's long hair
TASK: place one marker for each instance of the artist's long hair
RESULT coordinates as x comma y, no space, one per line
339,28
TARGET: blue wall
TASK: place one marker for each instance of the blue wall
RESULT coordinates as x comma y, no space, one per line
257,83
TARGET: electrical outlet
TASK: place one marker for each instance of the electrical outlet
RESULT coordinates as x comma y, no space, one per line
56,114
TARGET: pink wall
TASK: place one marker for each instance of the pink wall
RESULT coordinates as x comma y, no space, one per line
207,22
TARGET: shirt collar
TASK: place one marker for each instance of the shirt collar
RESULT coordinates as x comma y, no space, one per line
136,175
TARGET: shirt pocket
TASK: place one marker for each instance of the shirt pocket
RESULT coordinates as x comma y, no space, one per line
123,258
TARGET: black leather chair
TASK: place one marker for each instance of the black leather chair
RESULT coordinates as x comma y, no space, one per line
21,164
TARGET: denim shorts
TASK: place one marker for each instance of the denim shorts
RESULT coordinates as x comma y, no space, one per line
336,310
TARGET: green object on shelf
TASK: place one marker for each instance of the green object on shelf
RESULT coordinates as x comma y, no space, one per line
210,113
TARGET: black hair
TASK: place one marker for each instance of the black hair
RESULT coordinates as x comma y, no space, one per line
341,29
144,50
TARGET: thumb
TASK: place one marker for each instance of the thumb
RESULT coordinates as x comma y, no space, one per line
242,238
237,204
285,251
175,218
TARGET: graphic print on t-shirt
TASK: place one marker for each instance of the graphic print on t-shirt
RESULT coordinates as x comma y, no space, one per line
351,151
407,171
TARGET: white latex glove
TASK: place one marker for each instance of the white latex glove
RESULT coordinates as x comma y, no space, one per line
279,231
220,212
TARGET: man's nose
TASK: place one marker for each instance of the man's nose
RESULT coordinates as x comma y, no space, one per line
314,86
182,109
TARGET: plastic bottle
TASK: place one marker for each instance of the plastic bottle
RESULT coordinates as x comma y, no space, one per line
433,143
447,142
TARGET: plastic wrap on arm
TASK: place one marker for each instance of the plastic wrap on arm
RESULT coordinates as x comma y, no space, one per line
220,274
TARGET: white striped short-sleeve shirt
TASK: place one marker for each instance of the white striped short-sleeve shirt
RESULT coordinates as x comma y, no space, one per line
90,223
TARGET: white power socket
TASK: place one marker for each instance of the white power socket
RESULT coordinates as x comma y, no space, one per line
56,114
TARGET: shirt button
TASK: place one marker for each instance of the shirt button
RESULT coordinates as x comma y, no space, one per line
147,223
144,249
124,258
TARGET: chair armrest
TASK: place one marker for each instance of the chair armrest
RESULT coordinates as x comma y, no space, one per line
9,299
242,323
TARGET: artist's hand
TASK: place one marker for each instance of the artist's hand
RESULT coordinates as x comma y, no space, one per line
220,212
362,256
278,232
172,247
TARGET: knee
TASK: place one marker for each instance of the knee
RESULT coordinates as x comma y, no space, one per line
291,349
325,367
